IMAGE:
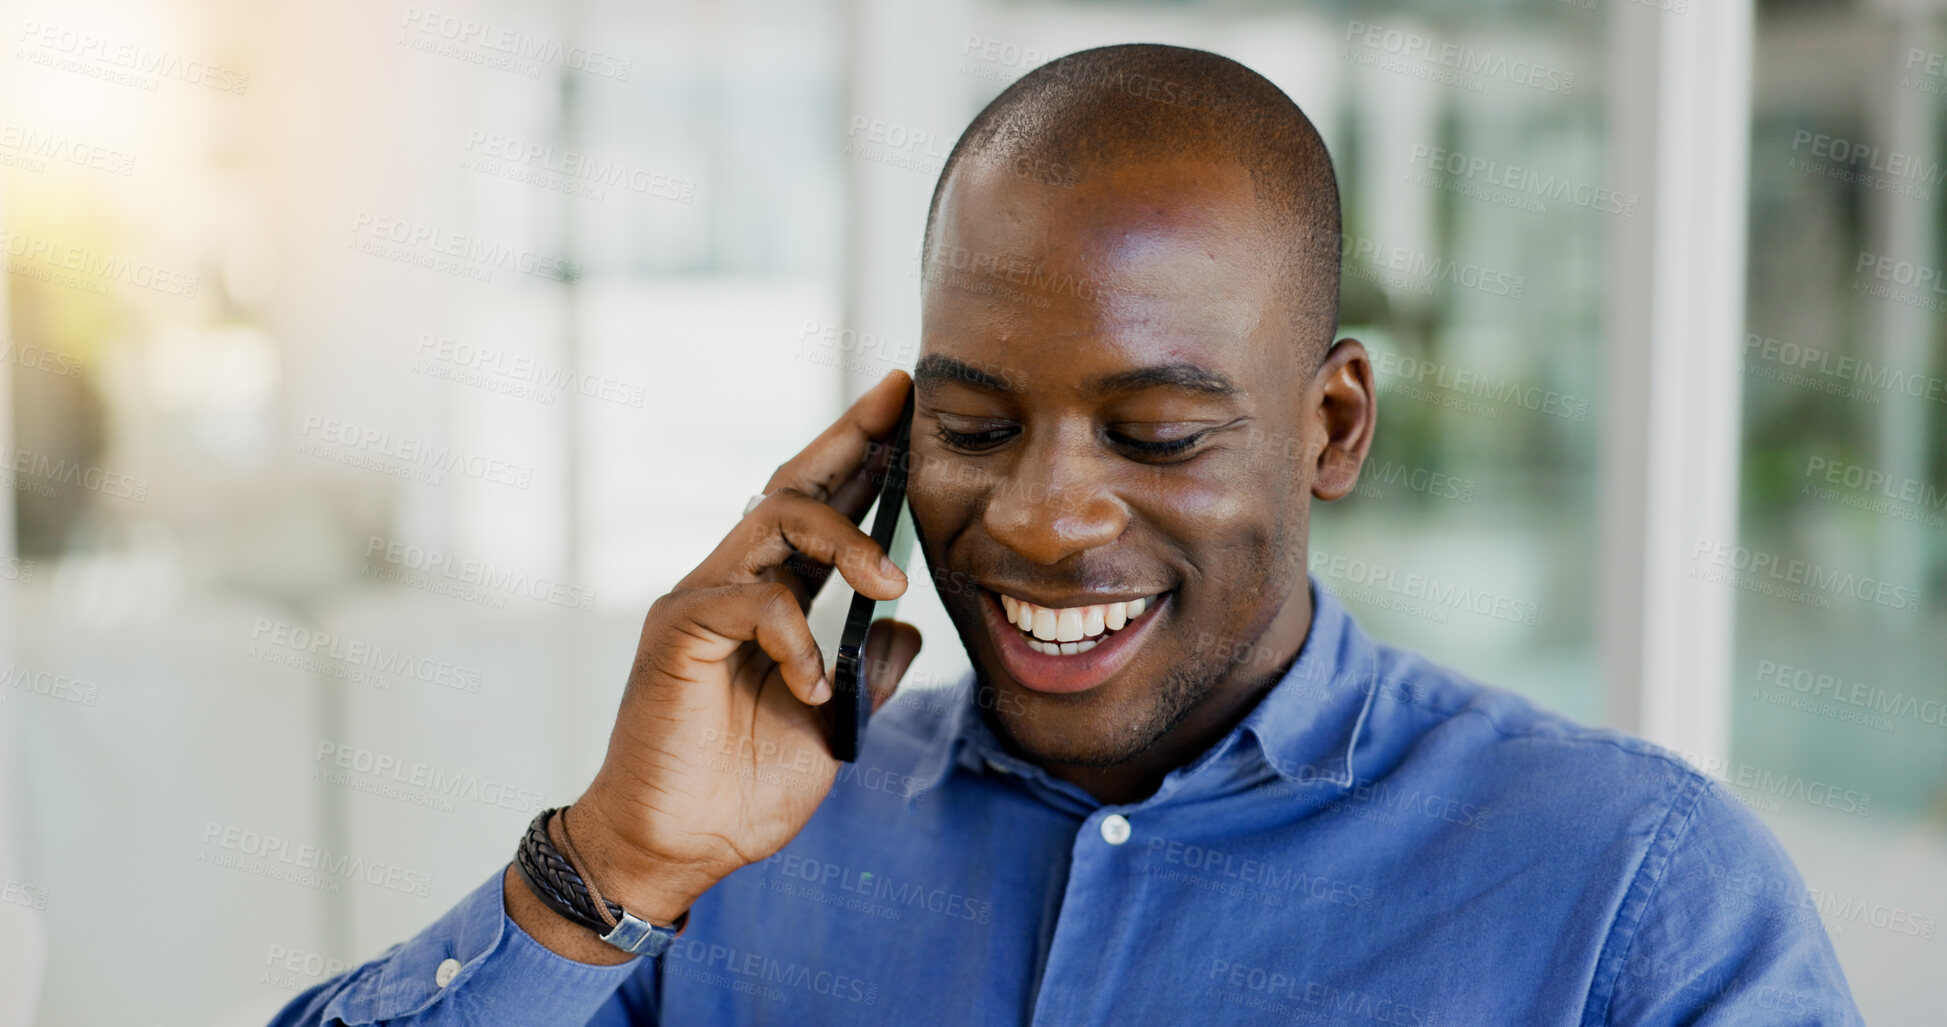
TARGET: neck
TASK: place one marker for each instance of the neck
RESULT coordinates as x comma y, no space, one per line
1227,704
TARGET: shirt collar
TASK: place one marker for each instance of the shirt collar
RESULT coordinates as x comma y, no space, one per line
1306,728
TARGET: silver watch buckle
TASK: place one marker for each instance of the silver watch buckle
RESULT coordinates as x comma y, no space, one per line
634,934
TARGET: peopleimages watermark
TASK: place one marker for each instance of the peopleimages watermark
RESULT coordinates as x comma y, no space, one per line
14,568
1403,374
1926,71
854,352
998,59
1836,911
755,973
1820,690
517,375
1212,869
1409,270
451,253
47,684
1903,174
294,969
20,893
1870,489
22,464
1528,188
1375,478
403,456
1267,989
1464,67
302,864
1902,281
39,358
79,267
895,145
1768,786
414,781
31,149
567,171
1009,276
1418,594
1822,370
357,653
501,48
795,767
432,570
864,891
1755,570
120,61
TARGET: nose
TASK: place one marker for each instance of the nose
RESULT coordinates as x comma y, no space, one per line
1055,501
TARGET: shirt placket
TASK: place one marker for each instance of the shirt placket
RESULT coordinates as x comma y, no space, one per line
1096,947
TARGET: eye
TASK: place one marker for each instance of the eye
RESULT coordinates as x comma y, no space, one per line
1157,449
975,441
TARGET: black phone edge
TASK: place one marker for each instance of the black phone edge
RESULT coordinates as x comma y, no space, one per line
851,703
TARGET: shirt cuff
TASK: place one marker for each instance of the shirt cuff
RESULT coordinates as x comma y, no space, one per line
503,975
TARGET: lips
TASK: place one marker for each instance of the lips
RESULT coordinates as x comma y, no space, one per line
1058,663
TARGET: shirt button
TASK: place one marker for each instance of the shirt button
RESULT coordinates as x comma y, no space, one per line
446,972
1115,829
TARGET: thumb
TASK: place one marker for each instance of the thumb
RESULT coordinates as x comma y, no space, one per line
889,649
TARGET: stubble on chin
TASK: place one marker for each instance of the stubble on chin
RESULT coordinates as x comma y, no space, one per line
1106,741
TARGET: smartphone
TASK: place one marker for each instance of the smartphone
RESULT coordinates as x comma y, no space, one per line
892,527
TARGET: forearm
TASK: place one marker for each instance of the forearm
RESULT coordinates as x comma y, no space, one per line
498,973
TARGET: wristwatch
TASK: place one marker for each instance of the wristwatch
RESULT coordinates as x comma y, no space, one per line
559,882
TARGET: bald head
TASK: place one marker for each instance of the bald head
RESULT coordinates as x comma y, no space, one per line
1137,104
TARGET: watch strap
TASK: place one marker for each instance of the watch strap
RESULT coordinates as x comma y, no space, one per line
556,882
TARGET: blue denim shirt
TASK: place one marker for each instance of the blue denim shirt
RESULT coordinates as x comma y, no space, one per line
1380,841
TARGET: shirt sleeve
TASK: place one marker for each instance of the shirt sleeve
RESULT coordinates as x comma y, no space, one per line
504,977
1718,929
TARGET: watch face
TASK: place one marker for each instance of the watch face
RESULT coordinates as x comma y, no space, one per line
850,706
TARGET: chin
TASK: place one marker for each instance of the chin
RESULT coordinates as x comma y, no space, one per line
1062,730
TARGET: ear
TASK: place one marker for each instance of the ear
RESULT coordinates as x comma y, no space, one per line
1347,412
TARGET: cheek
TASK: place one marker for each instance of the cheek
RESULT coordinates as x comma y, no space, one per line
941,490
1219,510
943,496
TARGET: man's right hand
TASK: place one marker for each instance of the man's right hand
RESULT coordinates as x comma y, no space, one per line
718,756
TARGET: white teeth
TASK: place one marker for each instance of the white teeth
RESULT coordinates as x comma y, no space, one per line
1074,629
1062,648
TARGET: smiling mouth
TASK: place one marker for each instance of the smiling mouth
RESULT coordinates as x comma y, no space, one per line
1073,630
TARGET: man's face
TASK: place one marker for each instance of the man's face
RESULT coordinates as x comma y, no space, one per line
1110,407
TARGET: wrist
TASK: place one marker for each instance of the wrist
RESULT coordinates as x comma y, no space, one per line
550,929
652,887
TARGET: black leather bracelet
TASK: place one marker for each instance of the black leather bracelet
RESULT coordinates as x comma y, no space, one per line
554,881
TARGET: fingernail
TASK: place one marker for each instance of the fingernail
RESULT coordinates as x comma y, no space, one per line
821,691
890,569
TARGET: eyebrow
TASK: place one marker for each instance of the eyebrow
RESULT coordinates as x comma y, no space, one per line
934,370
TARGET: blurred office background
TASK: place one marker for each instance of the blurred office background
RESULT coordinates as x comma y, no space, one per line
371,367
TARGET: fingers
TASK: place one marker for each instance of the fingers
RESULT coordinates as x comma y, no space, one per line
889,651
837,455
718,620
790,524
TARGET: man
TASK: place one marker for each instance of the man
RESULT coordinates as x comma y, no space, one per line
1181,785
